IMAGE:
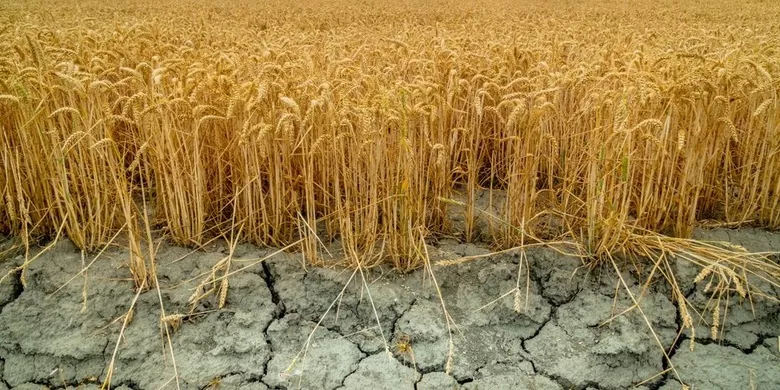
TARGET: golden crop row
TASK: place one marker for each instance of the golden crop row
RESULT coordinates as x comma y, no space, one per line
374,123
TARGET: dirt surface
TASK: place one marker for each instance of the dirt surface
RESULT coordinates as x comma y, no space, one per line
566,334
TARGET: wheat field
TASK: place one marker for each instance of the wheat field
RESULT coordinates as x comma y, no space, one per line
370,123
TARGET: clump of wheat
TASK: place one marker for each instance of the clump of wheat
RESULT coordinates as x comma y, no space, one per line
616,131
376,127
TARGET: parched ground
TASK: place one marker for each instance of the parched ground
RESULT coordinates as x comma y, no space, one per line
565,337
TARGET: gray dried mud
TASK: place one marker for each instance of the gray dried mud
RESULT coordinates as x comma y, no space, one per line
567,335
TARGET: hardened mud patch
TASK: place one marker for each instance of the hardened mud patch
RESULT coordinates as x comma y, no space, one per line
560,334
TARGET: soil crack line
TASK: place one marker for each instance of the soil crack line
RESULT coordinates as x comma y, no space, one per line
399,316
725,343
280,311
357,367
2,379
278,314
17,288
672,350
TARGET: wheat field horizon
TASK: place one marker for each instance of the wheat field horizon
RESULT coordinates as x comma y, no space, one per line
594,124
607,131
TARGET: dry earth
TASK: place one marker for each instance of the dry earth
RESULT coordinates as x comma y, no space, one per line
562,339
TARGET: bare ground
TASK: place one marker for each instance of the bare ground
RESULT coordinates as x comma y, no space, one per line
564,337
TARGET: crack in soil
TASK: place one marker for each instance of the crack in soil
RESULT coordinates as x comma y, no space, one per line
761,338
675,346
257,379
553,312
422,371
105,350
398,317
357,345
129,384
357,367
464,381
540,284
565,384
536,278
17,288
666,360
2,379
218,379
417,382
270,349
280,311
78,384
